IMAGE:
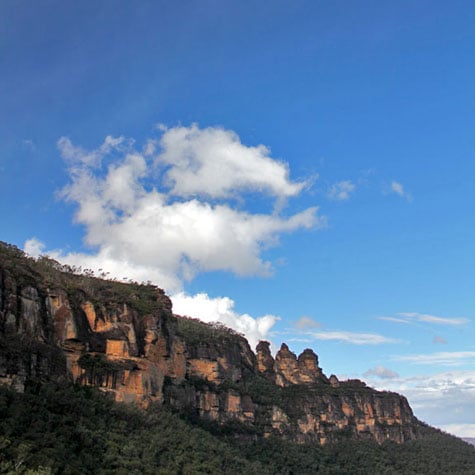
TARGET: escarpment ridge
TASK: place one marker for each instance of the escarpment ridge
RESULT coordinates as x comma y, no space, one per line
124,339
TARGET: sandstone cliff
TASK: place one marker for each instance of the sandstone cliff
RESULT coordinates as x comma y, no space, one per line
125,340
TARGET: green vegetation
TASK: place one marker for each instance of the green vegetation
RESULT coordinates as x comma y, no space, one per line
76,430
19,354
435,453
143,297
260,390
195,331
66,429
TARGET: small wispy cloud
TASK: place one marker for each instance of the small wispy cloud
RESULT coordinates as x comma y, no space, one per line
444,358
381,372
395,320
299,340
341,191
423,317
354,338
416,317
29,144
398,188
304,323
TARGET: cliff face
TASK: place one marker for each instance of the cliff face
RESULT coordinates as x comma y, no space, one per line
125,340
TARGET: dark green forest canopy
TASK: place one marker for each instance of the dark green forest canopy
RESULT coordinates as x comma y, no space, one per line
68,429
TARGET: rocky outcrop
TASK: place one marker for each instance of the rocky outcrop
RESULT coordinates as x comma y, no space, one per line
125,340
287,369
265,362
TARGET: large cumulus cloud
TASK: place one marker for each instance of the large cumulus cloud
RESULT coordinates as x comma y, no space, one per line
177,207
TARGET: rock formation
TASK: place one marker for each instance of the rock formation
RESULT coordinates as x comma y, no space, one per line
287,369
125,340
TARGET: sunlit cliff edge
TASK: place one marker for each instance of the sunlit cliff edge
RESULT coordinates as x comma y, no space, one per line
124,339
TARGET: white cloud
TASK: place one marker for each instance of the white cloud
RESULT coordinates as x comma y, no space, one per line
153,215
149,233
395,320
381,372
150,147
445,400
353,337
412,317
341,191
398,189
221,309
444,358
34,247
213,162
423,317
76,156
120,265
460,430
179,239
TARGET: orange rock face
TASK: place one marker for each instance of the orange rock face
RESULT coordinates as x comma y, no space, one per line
143,356
265,362
117,348
65,327
309,372
286,367
204,369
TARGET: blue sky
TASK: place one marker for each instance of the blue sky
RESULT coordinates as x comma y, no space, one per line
302,171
